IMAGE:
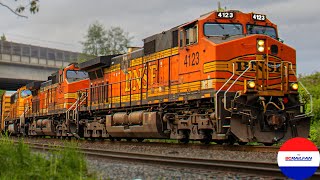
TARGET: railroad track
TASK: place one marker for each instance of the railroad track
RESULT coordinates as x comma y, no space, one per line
247,148
259,168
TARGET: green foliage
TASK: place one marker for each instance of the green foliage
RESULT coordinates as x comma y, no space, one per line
85,57
312,84
1,92
3,38
99,41
31,5
315,132
17,161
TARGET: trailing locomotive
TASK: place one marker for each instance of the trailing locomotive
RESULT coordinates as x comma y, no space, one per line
224,77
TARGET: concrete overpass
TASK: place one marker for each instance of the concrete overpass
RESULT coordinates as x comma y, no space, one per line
21,63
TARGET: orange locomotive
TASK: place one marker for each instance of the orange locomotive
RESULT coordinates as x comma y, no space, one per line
40,108
224,77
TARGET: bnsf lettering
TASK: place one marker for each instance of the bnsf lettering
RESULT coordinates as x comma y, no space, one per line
242,66
135,77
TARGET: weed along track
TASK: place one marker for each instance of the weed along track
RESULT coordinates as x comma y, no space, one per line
243,166
18,161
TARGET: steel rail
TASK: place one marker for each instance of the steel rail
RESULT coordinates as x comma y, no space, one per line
211,147
259,168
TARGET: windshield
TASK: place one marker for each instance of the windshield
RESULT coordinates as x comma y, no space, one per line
76,75
25,93
255,29
219,29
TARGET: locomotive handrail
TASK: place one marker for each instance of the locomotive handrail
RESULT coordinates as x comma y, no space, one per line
225,93
110,84
23,114
75,104
7,115
310,95
216,95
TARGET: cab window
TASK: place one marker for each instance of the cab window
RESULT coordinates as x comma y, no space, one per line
181,40
222,29
188,35
191,35
73,76
267,30
25,93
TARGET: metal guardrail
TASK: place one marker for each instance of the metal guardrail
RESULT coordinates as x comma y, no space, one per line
305,89
25,50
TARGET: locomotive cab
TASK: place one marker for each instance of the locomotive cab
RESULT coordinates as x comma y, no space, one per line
250,67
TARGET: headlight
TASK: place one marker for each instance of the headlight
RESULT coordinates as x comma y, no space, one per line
261,49
294,86
251,84
260,45
261,42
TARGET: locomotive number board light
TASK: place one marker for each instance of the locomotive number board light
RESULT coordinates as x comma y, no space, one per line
225,15
259,17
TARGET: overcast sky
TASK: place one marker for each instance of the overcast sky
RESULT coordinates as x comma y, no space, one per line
62,24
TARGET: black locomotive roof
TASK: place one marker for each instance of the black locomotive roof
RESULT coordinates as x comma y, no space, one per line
34,85
104,61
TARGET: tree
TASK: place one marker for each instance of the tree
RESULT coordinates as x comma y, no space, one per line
100,41
96,40
118,41
3,38
31,5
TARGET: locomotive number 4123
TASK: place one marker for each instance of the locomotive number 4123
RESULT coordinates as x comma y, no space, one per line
192,59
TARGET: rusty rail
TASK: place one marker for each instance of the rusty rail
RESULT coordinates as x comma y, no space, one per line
254,167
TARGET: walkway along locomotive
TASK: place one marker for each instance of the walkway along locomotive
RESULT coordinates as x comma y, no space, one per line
223,77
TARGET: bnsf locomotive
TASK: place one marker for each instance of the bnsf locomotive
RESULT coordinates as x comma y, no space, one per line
224,77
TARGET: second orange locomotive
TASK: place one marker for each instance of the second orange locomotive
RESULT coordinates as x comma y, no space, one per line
223,77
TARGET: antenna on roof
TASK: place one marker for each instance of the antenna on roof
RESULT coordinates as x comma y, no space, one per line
220,9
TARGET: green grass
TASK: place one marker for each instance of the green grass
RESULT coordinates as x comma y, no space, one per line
17,161
315,133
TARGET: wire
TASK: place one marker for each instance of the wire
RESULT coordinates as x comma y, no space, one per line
37,39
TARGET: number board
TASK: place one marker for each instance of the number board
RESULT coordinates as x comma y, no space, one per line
259,17
225,15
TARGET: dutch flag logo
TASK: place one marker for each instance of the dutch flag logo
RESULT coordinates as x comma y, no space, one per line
298,158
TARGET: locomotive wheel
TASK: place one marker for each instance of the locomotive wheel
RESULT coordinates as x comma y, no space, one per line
207,137
231,140
219,142
184,140
242,143
206,140
140,139
268,144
